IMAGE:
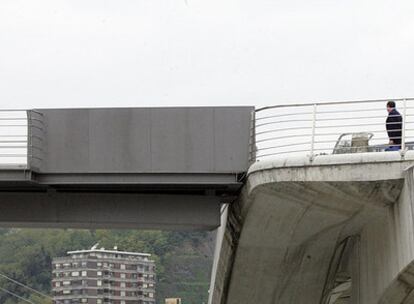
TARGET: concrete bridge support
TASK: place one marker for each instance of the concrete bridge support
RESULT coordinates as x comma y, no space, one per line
337,230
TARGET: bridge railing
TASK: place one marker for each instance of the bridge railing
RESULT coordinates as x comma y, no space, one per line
21,136
328,128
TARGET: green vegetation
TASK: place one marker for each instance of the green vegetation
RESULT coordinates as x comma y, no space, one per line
183,259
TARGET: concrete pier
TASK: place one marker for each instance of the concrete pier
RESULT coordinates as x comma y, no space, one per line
338,229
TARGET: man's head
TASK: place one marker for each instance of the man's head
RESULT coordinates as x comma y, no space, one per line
390,106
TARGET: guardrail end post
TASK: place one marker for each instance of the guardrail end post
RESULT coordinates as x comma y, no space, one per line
252,138
312,153
403,147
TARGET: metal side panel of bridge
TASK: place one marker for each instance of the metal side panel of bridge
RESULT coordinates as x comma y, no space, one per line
122,167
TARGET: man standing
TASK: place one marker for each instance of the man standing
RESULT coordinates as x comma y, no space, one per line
394,125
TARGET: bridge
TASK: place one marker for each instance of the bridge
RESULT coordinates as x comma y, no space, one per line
168,168
308,206
325,216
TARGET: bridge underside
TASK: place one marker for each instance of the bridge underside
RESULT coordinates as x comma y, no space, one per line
149,201
109,210
221,184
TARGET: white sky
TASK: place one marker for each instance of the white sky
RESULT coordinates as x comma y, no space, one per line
73,53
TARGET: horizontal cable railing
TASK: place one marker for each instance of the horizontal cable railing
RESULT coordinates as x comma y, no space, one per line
21,136
13,138
330,128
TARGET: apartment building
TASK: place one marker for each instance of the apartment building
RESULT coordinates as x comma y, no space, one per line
99,276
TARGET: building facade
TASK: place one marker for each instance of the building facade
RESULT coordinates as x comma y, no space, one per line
99,276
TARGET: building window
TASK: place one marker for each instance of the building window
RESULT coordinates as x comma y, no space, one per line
99,273
98,283
65,292
84,273
75,273
98,301
84,300
122,275
123,284
99,264
84,264
123,266
57,266
66,283
57,284
122,293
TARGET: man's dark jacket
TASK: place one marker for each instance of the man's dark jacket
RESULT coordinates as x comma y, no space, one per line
394,126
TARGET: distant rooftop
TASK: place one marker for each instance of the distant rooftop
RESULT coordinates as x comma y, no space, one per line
109,251
113,251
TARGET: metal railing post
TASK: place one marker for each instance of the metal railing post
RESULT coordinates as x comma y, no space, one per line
313,132
252,139
403,126
29,140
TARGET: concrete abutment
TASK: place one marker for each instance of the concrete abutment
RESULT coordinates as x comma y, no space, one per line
338,230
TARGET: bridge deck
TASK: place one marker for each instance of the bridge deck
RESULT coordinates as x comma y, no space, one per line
122,168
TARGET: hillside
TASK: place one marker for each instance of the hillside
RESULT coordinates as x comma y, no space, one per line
183,259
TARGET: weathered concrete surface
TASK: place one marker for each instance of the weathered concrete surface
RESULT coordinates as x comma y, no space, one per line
301,226
387,252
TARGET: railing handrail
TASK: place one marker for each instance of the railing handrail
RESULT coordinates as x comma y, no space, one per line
22,110
305,133
326,103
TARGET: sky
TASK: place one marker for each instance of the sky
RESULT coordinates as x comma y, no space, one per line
136,53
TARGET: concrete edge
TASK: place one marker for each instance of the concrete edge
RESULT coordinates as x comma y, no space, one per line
333,159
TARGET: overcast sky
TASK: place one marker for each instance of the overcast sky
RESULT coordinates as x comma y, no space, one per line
73,53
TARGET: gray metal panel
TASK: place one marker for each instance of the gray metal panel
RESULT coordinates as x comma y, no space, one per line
182,140
231,140
147,140
120,140
66,141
